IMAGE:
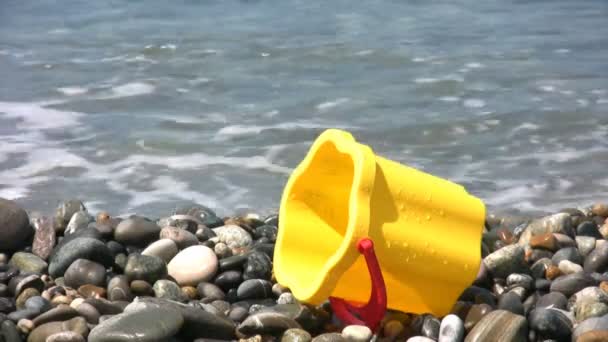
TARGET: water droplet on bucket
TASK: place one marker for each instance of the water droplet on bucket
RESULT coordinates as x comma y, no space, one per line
466,267
445,262
414,256
407,259
429,197
432,251
428,217
406,245
441,212
401,206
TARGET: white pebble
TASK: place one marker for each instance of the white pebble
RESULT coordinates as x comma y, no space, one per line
420,339
357,333
193,265
286,298
451,329
568,267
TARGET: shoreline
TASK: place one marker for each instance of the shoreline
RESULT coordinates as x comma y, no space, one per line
190,275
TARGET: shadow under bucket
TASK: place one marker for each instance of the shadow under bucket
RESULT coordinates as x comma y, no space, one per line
426,230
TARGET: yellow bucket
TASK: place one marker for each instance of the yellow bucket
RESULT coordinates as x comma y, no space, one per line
426,230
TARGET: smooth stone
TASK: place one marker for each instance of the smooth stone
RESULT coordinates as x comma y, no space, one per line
430,327
165,249
28,262
542,285
556,223
505,261
15,228
451,329
597,260
167,289
357,333
24,296
193,265
181,237
206,215
141,325
25,282
475,314
42,332
522,280
89,312
145,267
25,326
568,267
120,262
115,247
257,266
499,326
238,314
296,335
141,288
420,339
564,241
9,331
79,248
222,250
572,283
553,272
539,268
287,298
550,324
65,336
511,302
64,213
552,300
309,320
585,245
478,295
136,231
593,336
568,253
254,288
266,323
600,209
587,310
80,220
119,289
76,302
83,271
37,303
588,228
588,294
105,307
234,262
83,233
545,241
58,314
18,315
210,291
266,231
233,236
89,290
591,324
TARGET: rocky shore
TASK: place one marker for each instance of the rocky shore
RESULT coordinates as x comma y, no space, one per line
193,276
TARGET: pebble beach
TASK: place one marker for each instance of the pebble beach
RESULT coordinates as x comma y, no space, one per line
190,275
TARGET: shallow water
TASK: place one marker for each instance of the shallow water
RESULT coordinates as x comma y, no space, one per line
140,106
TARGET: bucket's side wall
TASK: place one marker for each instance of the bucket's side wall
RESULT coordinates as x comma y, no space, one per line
426,233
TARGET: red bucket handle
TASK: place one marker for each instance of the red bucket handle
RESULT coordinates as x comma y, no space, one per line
371,313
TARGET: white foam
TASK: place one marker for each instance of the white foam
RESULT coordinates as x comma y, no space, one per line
459,130
599,91
492,122
449,98
72,91
324,106
547,88
582,102
526,126
475,65
233,130
425,80
364,52
601,101
133,89
419,59
474,103
561,51
34,117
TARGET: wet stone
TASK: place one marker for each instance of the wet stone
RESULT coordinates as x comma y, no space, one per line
357,333
28,262
597,260
193,265
136,231
553,299
475,314
329,337
145,267
233,236
42,332
585,244
24,296
568,267
500,326
591,324
553,272
83,271
557,223
451,329
430,327
167,289
539,268
257,266
545,241
534,255
511,302
572,283
141,288
228,280
65,336
210,291
296,335
522,280
505,261
254,288
588,228
550,324
64,213
118,288
165,249
80,220
9,331
58,314
79,248
181,237
569,253
89,312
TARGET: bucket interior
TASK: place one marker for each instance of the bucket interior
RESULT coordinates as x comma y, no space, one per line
315,216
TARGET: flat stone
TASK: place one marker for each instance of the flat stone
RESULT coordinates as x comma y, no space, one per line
254,288
23,282
572,283
475,314
89,312
141,288
597,260
505,261
266,323
357,333
257,266
105,307
193,265
165,249
546,241
550,324
136,231
210,291
553,299
585,244
58,314
557,223
141,325
588,228
79,248
451,329
296,335
568,267
569,253
499,326
511,302
145,267
181,237
119,289
28,262
83,271
90,290
15,226
44,237
42,332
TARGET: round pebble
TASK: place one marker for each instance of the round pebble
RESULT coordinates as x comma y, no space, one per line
357,333
193,265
